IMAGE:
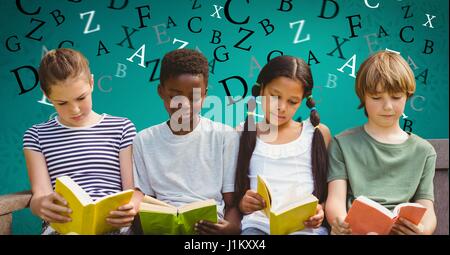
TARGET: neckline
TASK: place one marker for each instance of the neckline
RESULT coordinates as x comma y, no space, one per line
171,137
296,140
80,128
390,145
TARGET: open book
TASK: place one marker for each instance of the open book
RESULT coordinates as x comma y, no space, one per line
286,214
88,217
160,218
366,216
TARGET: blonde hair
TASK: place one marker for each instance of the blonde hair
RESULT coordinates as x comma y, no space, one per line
388,70
61,64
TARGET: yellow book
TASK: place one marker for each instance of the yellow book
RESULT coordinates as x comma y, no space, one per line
88,217
160,218
287,214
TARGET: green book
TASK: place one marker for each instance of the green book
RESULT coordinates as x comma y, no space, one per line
159,218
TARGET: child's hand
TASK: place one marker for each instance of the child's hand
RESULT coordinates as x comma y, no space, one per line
405,227
315,221
251,202
340,227
122,217
223,227
51,207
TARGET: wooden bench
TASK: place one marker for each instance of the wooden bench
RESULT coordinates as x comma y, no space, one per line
18,201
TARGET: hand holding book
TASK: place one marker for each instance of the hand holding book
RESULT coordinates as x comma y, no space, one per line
289,212
251,202
123,216
366,216
316,220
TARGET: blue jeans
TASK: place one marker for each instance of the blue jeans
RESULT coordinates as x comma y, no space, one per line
256,231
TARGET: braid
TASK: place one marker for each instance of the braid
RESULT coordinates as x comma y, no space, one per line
247,145
319,155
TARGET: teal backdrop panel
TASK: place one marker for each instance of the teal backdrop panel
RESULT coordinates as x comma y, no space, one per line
126,40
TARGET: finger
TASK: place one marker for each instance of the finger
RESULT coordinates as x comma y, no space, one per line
117,214
255,201
57,208
254,195
410,225
209,224
204,229
121,221
55,196
397,231
55,217
126,207
403,230
316,217
408,231
308,223
255,207
120,225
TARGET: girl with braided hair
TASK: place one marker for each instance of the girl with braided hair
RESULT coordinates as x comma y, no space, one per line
297,155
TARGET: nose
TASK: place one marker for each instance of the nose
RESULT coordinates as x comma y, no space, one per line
74,109
387,104
281,105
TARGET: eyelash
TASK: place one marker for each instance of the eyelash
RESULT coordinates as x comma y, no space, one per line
78,99
291,102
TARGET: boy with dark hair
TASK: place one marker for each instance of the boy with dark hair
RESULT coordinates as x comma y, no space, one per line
188,158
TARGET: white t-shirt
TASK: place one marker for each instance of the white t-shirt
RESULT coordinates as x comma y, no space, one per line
180,169
283,165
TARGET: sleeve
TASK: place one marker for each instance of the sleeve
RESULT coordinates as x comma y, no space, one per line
31,140
230,152
425,190
128,134
337,168
140,172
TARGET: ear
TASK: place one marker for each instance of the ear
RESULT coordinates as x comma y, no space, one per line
91,82
160,92
45,94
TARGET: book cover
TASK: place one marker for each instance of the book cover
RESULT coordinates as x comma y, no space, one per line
161,218
286,215
366,215
88,217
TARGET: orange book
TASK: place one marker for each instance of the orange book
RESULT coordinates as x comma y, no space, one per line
366,216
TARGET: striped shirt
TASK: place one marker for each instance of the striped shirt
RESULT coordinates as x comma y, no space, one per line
89,155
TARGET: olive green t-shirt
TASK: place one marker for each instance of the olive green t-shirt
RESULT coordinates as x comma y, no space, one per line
389,174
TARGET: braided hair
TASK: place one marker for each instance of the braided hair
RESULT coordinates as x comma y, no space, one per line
296,69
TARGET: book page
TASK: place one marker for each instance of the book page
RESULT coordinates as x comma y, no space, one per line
295,195
195,205
145,207
75,189
376,205
151,200
413,212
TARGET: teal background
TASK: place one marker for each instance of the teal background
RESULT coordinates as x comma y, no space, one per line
135,97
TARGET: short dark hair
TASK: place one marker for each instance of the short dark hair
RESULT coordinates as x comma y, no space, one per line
183,61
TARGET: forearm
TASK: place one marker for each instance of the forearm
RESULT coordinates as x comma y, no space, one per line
335,209
233,216
137,199
429,219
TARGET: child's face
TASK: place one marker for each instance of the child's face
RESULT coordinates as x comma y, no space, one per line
72,100
289,94
385,109
179,97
